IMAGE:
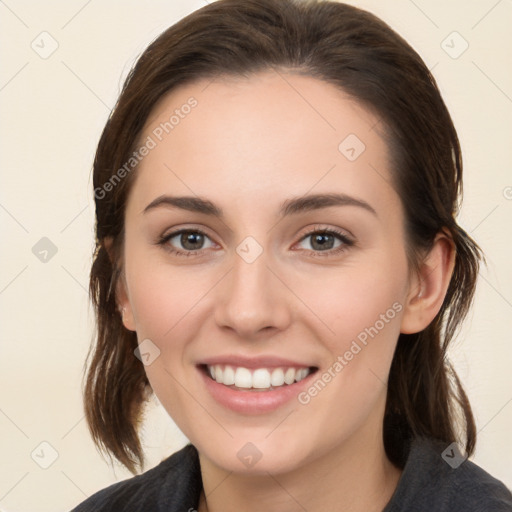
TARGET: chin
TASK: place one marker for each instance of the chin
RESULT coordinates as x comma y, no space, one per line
259,456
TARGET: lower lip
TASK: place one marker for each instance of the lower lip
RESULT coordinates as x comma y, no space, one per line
253,402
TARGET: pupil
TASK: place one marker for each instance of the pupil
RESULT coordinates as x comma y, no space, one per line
323,241
191,240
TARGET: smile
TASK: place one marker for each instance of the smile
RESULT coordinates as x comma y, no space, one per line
258,378
254,385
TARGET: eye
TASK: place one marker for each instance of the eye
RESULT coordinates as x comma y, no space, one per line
326,241
186,242
319,242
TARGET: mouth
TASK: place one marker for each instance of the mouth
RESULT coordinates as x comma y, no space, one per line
261,379
254,385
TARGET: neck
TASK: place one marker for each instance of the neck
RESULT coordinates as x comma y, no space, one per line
356,476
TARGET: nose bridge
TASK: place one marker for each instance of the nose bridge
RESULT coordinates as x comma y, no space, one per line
251,298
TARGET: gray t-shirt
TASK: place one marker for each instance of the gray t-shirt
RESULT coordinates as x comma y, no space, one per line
433,480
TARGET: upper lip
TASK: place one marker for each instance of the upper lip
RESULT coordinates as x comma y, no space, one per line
265,361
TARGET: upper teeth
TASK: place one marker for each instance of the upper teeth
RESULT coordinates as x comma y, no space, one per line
260,378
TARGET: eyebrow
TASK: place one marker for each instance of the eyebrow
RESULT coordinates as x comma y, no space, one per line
288,207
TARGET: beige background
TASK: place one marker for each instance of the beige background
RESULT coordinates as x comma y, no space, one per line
53,110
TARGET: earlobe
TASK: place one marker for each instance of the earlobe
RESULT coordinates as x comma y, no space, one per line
124,305
127,318
122,299
428,288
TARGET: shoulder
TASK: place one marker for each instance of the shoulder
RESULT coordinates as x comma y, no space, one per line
174,484
436,477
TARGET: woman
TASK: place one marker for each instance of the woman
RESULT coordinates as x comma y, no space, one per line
278,260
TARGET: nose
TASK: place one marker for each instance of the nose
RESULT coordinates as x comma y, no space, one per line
251,301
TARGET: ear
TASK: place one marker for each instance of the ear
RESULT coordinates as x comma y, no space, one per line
122,297
427,289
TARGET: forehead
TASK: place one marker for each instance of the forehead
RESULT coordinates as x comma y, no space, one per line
273,132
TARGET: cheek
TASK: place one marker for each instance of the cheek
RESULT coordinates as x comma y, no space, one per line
161,296
168,304
354,301
367,304
163,301
363,311
362,306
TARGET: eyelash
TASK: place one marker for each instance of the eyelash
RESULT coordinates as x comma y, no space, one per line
346,242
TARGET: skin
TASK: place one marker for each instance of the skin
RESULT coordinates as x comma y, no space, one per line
249,145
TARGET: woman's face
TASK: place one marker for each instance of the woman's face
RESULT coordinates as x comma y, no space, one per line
264,242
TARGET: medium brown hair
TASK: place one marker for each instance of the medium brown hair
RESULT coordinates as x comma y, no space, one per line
365,58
